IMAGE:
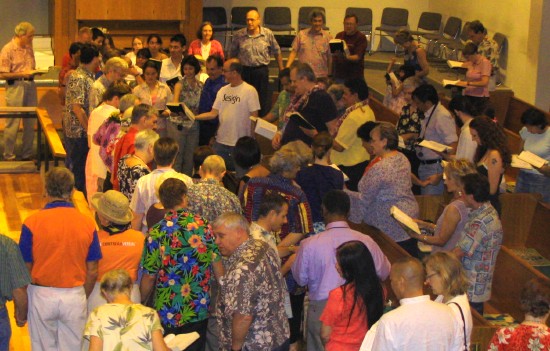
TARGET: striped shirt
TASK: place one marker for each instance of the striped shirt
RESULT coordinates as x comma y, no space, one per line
299,212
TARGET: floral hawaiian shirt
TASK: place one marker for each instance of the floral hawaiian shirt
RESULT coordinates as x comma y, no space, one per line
180,250
209,199
253,286
77,92
521,338
123,327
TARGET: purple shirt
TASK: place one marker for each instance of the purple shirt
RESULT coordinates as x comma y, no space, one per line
315,264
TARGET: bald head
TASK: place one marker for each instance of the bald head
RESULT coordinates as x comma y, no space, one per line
407,277
253,21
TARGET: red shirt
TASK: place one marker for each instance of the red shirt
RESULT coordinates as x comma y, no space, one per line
123,147
344,336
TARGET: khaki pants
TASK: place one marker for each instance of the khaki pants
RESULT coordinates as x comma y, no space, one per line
21,93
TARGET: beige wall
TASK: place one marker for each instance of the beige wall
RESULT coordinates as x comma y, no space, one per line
526,67
520,21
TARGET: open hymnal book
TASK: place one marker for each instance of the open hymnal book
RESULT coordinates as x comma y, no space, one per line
338,45
181,341
532,159
346,178
181,108
264,128
405,219
434,146
447,83
519,163
393,78
455,64
300,120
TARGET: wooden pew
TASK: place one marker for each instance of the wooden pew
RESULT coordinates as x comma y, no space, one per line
482,331
382,113
516,107
54,143
539,233
511,274
513,141
518,211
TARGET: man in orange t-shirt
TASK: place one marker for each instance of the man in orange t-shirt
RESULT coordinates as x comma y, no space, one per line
121,246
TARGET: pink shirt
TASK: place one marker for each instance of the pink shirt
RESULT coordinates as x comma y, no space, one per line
313,48
482,67
215,48
14,59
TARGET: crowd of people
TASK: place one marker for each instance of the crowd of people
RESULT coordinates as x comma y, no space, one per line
196,231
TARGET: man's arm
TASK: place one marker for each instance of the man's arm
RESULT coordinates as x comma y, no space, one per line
8,75
136,221
239,328
209,115
291,58
280,60
91,277
20,302
146,285
81,115
218,269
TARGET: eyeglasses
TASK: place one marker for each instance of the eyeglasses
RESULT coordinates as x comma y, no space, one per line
431,275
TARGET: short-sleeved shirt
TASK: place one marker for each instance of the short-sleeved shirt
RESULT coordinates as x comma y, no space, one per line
144,193
208,95
123,147
489,49
254,50
348,329
319,110
190,95
521,337
77,92
15,59
253,285
98,89
59,239
466,147
409,121
480,243
312,48
123,327
120,250
357,45
539,144
316,180
299,212
169,70
279,108
13,272
235,105
210,199
440,128
476,71
159,100
128,176
354,152
180,250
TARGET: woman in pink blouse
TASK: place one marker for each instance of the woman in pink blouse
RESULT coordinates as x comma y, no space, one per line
205,46
355,306
477,77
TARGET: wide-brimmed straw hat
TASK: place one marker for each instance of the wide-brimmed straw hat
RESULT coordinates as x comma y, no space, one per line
113,205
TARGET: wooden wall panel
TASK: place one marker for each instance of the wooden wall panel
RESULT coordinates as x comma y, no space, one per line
159,10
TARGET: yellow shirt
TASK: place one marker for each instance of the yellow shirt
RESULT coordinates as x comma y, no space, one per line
354,152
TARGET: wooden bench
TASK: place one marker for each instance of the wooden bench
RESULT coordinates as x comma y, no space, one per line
53,144
539,234
518,212
511,274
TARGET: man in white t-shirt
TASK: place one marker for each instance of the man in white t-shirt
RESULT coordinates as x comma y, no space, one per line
171,67
234,105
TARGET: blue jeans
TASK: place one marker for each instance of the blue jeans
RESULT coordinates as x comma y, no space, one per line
77,150
5,329
533,183
424,171
226,152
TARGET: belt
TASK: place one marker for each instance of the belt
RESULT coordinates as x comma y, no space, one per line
430,162
255,67
12,81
